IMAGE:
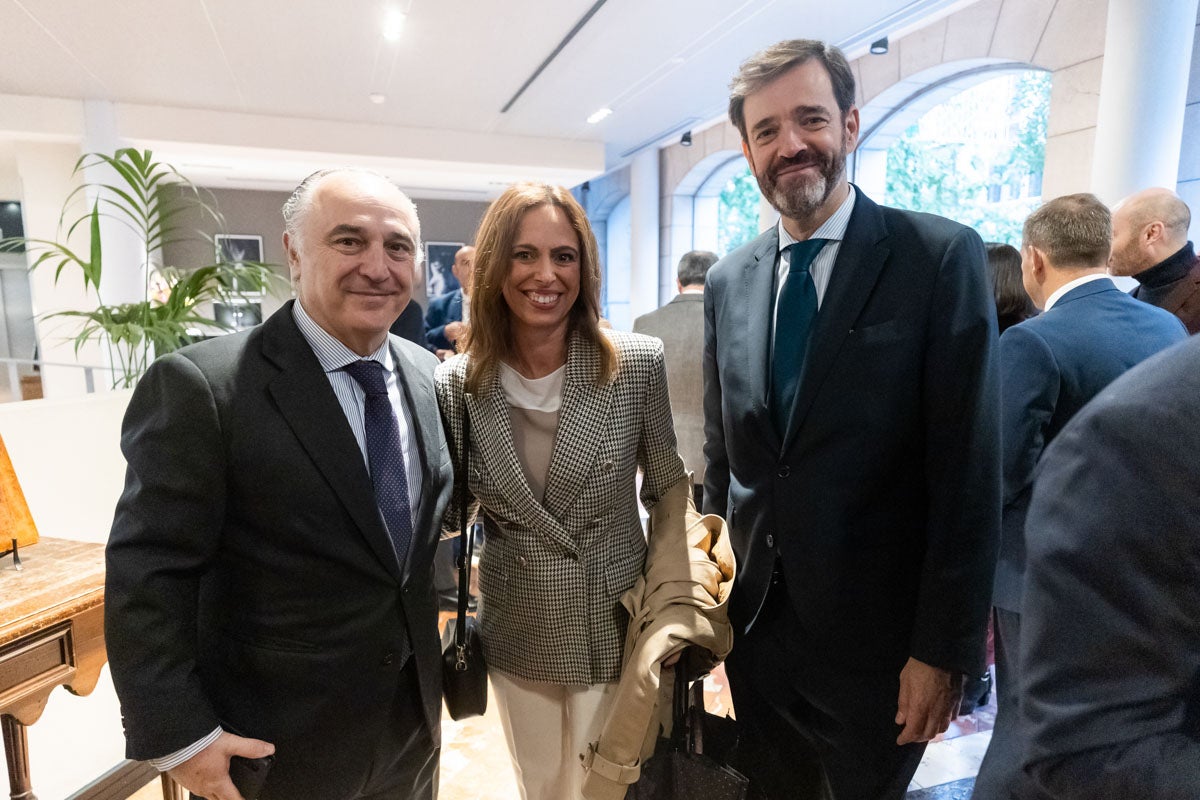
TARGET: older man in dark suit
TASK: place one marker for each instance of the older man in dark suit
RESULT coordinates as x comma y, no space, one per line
1051,366
680,326
851,412
269,563
1110,634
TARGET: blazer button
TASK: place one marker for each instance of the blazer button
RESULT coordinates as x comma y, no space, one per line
387,659
608,465
521,561
784,471
770,540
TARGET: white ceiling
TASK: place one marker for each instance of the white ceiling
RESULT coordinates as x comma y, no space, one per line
258,92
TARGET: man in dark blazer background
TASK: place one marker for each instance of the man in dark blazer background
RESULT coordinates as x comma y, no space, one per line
449,314
680,326
1110,637
1150,243
852,439
1089,332
268,579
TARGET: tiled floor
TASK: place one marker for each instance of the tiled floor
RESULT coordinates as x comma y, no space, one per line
475,763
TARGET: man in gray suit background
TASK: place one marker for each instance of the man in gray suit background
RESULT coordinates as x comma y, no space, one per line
680,325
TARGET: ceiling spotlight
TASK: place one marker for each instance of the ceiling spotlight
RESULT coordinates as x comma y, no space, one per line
879,47
377,98
393,24
599,115
686,139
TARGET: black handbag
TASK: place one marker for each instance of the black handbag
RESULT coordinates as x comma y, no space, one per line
693,763
464,673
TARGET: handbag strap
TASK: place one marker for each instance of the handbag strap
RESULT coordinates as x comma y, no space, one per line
466,539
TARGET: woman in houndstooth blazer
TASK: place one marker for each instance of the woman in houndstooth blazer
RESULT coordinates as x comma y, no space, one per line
562,415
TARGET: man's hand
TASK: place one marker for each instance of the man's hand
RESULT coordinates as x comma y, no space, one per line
453,330
929,699
443,354
206,774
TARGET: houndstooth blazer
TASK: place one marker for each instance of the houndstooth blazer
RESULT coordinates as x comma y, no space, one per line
552,573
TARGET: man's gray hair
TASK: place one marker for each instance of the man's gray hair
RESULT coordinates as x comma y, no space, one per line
297,206
694,266
1074,230
766,66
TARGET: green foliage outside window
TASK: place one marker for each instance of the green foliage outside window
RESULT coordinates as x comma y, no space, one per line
978,157
737,212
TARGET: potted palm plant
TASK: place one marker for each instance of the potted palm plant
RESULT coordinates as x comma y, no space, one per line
153,199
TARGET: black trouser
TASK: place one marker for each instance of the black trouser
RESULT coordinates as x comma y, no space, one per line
811,729
999,771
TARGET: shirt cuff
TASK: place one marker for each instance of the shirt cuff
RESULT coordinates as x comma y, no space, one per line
173,760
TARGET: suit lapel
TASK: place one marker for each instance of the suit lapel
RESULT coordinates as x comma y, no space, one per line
758,287
307,403
582,418
859,261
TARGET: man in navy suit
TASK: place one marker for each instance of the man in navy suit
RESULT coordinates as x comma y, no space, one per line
449,314
1110,634
1051,366
852,442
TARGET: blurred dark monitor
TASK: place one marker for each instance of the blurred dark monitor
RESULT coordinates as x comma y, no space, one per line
238,316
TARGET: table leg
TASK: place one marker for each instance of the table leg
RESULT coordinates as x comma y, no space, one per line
16,753
172,790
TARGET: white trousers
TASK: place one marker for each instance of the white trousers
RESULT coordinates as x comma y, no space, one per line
548,728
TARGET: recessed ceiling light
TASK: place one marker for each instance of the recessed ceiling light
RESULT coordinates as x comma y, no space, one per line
393,24
599,115
377,98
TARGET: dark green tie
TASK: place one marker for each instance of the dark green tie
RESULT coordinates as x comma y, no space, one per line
795,313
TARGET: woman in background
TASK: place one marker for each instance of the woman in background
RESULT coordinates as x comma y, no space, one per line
561,416
1012,302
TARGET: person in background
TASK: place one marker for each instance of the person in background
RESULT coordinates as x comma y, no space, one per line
449,315
562,415
410,324
680,326
1089,333
1150,244
1012,301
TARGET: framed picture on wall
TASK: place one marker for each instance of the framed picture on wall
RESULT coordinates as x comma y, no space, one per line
238,315
238,248
439,263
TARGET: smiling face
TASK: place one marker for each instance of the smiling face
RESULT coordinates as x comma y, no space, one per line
542,283
352,258
797,140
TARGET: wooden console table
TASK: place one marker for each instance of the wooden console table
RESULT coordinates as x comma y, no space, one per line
51,634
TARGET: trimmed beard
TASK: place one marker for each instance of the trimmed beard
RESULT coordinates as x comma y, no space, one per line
806,197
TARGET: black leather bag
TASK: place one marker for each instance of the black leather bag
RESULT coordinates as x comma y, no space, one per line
464,673
693,763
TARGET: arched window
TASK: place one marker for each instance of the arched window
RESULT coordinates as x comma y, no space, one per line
977,156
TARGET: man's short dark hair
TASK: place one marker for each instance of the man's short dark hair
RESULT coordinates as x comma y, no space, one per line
764,67
1074,230
694,266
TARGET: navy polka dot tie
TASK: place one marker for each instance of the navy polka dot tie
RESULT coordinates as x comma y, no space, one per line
385,454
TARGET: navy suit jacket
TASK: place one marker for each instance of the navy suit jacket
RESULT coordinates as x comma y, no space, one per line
882,499
442,309
1051,365
1110,623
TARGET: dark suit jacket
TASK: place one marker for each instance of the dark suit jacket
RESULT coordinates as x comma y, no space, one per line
410,324
1050,366
680,326
883,498
442,309
251,581
1110,632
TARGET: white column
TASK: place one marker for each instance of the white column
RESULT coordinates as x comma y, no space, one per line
46,180
644,216
123,279
1143,90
